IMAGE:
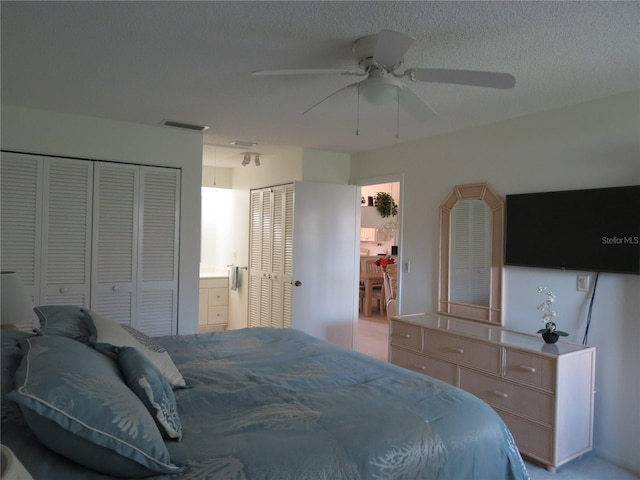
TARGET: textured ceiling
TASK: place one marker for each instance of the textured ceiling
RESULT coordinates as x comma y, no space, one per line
192,62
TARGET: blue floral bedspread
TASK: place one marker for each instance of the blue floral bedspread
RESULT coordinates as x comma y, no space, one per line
278,404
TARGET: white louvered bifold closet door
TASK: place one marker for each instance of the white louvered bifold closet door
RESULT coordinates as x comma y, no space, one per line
271,259
259,309
66,232
157,259
282,256
115,241
21,220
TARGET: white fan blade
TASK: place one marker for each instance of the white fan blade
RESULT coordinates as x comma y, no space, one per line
463,77
326,98
415,106
307,71
391,47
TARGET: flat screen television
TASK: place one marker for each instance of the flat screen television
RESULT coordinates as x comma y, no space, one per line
594,230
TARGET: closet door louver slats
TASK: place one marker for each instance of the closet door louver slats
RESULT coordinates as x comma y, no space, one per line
277,247
256,231
158,260
254,301
21,219
66,236
288,231
266,231
115,241
157,313
95,234
271,262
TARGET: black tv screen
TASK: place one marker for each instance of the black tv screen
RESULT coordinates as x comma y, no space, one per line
594,230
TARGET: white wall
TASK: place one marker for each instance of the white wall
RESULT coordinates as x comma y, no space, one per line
216,223
51,133
595,144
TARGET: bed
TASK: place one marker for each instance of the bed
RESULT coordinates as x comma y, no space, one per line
257,403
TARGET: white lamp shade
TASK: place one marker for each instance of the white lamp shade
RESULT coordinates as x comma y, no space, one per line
16,307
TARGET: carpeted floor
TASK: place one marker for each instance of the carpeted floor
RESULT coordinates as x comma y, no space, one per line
373,333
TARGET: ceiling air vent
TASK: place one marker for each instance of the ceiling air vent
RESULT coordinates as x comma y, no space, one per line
242,143
186,126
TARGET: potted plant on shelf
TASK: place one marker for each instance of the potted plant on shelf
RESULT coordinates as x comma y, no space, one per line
550,333
385,205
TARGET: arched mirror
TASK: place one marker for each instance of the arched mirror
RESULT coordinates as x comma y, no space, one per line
471,230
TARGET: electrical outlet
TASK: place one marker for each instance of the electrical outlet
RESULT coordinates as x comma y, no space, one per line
582,283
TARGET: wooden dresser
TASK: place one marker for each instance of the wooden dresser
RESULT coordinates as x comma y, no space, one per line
543,392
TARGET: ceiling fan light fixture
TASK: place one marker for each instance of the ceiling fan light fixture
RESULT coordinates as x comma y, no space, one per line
380,90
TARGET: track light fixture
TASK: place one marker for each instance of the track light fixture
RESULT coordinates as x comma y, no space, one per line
246,160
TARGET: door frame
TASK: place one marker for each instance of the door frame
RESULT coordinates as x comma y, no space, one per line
392,178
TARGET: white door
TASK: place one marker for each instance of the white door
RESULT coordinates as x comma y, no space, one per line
326,255
157,288
21,220
115,241
271,258
66,232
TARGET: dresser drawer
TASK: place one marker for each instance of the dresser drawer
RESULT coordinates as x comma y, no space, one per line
530,369
529,403
405,335
532,439
460,350
218,296
445,371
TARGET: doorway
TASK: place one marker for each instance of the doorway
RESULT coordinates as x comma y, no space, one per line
379,236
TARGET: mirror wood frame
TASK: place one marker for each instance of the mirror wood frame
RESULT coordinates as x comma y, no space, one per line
493,312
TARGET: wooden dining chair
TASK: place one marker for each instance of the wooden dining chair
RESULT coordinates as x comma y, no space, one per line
391,289
377,295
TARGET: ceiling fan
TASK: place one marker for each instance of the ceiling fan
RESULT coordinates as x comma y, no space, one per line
379,57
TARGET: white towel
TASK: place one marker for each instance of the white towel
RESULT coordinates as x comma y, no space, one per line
235,277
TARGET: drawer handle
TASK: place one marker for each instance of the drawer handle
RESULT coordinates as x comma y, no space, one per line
456,350
419,367
527,368
64,290
404,335
500,394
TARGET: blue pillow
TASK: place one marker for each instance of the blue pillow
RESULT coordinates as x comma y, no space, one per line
108,336
75,402
66,320
11,356
145,380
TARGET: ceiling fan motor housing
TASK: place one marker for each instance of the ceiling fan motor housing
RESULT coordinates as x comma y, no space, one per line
363,52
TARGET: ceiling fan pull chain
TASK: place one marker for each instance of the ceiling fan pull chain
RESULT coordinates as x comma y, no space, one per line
358,112
398,118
